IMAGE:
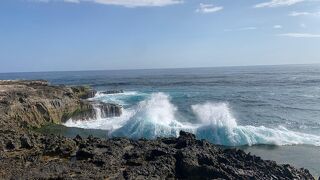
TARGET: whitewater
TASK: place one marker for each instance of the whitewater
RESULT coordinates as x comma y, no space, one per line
156,116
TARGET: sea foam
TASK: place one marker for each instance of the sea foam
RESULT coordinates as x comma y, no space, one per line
156,116
220,127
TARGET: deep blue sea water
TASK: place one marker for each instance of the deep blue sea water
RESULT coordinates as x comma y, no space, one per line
278,106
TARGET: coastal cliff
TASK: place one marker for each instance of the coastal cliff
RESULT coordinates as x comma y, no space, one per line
26,154
35,103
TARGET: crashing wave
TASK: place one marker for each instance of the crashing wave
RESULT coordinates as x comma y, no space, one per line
119,98
156,116
220,127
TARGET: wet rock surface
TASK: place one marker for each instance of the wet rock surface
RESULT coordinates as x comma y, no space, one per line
112,92
26,154
84,92
109,109
98,110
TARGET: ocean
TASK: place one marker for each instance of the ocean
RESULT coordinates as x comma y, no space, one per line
269,111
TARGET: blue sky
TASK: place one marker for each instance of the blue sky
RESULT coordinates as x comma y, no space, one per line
60,35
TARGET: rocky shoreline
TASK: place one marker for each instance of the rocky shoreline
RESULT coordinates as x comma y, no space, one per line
26,154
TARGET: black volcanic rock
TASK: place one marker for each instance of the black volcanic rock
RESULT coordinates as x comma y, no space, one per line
25,142
120,158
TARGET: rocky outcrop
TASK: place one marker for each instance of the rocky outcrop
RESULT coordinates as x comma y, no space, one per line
108,109
120,158
26,154
25,82
35,103
112,92
98,110
84,92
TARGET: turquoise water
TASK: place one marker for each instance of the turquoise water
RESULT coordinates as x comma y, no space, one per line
230,106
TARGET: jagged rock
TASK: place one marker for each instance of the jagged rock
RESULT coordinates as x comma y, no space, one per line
112,92
25,82
55,145
186,135
84,92
10,145
84,114
185,139
83,154
25,142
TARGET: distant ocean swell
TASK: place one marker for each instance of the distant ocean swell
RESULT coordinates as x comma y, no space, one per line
215,80
155,116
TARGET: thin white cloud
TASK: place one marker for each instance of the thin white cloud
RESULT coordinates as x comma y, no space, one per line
278,3
125,3
277,27
139,3
247,28
294,14
208,8
242,29
300,35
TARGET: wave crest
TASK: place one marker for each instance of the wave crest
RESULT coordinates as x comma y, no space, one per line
156,116
220,127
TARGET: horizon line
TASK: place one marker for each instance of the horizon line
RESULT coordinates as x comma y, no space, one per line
168,68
